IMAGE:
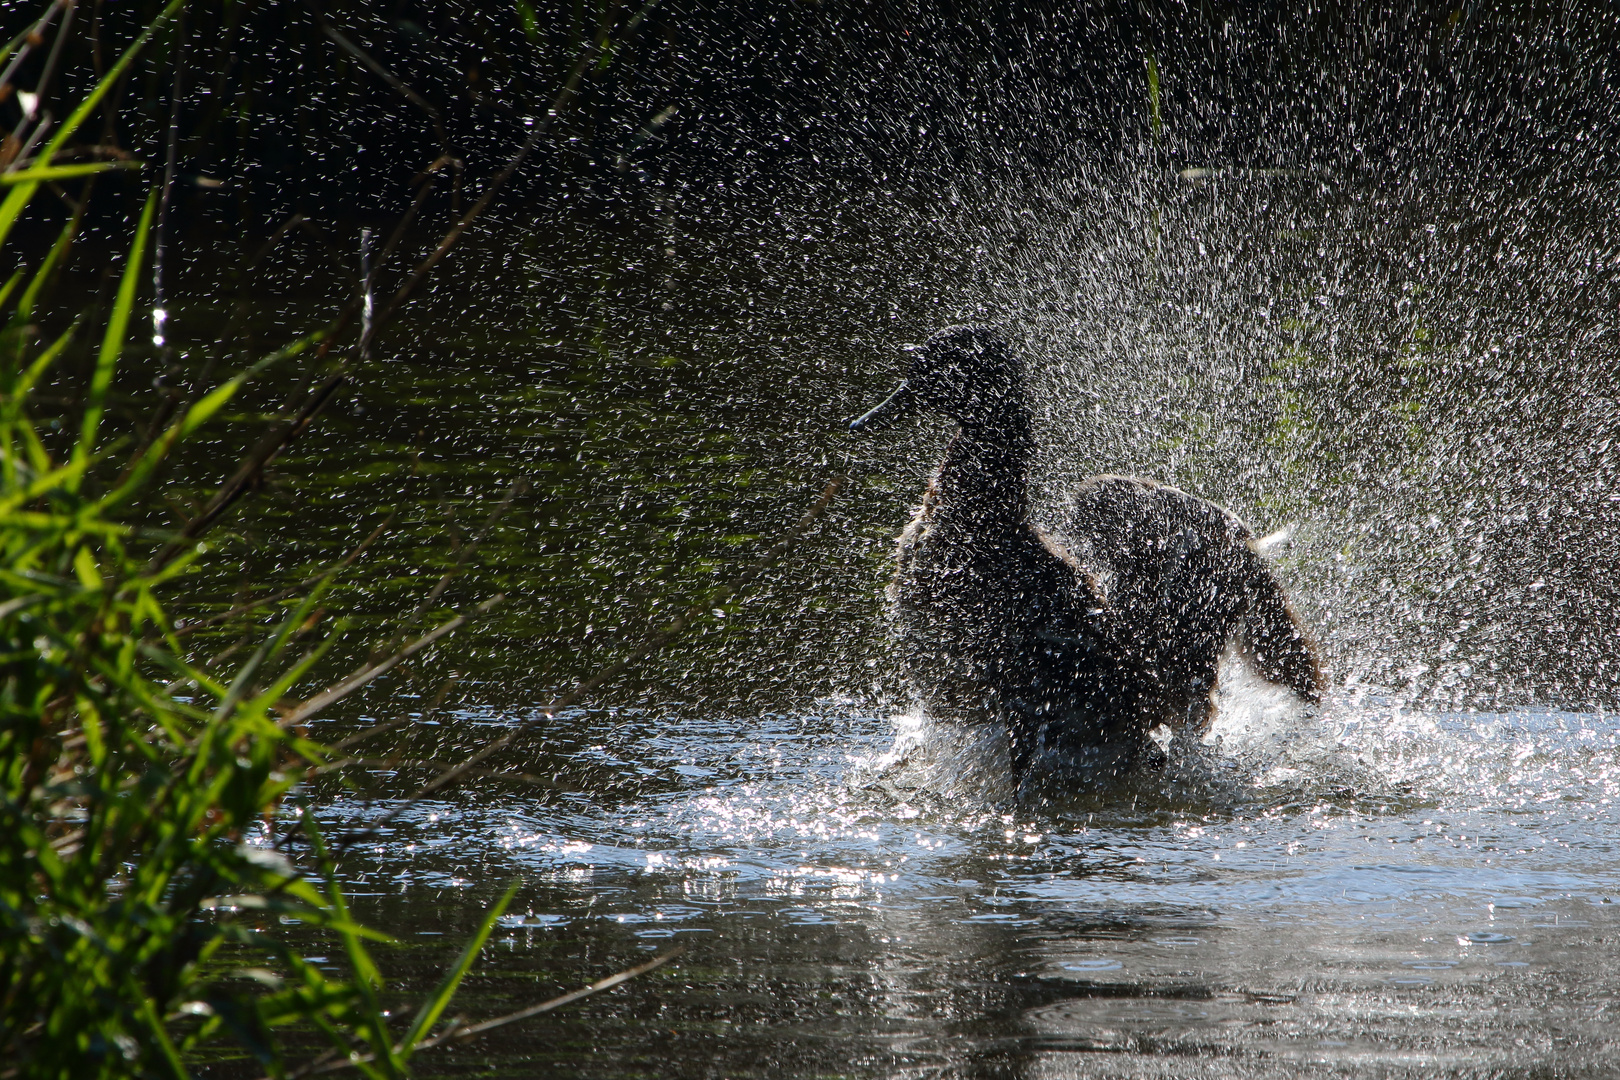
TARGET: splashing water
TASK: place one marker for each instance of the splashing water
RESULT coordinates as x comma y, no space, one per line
1365,884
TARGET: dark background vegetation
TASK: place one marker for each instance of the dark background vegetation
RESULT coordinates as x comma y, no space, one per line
289,119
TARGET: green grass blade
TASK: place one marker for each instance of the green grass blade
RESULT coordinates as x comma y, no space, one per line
25,382
434,1006
526,15
196,416
160,1036
206,682
212,402
366,978
16,199
290,678
68,476
44,173
1153,96
25,306
240,684
11,408
113,343
10,286
215,399
106,83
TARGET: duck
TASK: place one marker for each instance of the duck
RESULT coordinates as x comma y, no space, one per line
1083,640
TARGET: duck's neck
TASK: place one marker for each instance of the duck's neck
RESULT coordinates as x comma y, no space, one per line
985,475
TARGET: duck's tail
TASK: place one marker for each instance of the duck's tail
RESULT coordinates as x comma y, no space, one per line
1271,544
1273,638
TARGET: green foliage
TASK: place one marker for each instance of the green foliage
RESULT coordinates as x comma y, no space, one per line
526,16
139,902
1155,118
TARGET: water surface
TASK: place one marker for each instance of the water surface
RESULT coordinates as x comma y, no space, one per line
1369,892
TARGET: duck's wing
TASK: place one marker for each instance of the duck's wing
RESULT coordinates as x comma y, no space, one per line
1184,576
1272,635
1142,541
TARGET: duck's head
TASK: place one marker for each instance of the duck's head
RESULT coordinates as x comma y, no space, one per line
969,373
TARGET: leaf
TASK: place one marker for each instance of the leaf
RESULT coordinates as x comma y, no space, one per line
197,415
113,343
435,1005
265,859
25,382
245,1019
211,402
43,173
65,477
160,1035
290,678
18,198
531,25
10,286
25,306
367,979
84,565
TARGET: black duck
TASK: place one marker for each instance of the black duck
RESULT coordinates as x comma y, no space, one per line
1083,641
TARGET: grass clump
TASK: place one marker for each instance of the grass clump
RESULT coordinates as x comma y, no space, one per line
140,787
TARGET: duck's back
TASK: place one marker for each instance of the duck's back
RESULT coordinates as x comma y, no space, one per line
1147,542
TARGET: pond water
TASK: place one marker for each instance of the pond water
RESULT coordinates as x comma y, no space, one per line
1418,878
1378,892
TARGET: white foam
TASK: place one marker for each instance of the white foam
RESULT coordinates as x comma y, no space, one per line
1251,711
950,760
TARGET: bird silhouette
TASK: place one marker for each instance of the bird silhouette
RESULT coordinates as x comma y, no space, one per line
1083,640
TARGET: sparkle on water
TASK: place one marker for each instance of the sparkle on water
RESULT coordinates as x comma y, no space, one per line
1365,887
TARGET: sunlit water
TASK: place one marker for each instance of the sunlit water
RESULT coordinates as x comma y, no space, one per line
1368,889
1390,885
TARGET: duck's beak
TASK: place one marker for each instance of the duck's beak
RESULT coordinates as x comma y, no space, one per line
896,407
